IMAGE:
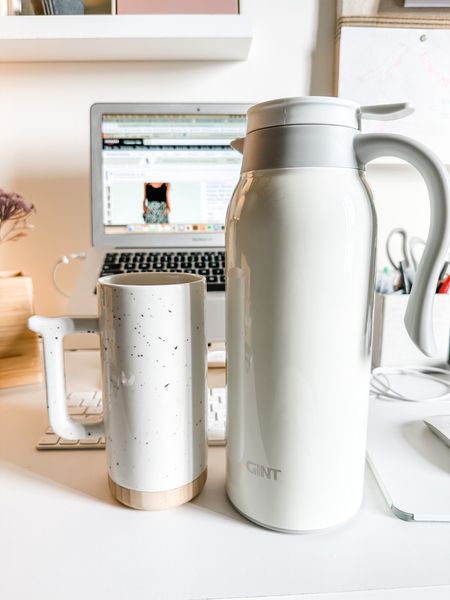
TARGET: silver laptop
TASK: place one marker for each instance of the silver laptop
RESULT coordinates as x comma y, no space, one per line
162,176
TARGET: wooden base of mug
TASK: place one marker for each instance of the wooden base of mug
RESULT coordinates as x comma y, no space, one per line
158,500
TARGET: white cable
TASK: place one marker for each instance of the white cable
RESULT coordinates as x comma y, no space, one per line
381,387
65,260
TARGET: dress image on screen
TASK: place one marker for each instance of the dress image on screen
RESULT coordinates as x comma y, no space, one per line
168,173
156,202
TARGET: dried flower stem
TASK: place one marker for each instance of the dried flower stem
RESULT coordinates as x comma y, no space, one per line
14,211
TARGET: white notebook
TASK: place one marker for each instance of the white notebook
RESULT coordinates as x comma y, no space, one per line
410,463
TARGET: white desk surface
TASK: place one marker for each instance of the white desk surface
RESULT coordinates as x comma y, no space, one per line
63,536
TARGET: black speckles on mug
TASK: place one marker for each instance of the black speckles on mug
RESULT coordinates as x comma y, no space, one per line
157,409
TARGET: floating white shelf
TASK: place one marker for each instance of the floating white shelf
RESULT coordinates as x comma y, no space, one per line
124,37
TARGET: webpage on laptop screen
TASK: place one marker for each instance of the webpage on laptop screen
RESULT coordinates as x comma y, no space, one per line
168,173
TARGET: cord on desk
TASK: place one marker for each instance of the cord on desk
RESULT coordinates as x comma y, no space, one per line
65,260
381,387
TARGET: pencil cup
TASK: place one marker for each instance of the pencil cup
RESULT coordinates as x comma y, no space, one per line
392,346
153,357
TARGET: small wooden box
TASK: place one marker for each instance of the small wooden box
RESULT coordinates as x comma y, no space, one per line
20,359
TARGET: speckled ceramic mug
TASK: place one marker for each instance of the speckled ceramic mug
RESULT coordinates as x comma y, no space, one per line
154,366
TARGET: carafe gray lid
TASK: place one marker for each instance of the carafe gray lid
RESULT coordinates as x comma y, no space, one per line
319,110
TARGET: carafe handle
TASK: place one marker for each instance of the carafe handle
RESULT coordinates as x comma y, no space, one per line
418,317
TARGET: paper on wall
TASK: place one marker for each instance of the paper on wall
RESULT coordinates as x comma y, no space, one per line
382,65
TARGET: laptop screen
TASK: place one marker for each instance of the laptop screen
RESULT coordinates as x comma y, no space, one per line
168,173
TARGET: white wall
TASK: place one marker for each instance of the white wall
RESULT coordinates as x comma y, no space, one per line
44,127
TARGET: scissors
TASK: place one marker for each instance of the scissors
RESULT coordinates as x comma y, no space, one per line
411,250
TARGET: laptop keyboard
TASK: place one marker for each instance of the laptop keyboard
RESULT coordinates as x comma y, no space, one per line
210,264
87,408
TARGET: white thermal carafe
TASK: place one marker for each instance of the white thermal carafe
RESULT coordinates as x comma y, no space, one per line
301,249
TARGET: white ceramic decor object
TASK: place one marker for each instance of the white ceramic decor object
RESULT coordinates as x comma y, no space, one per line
301,249
153,354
